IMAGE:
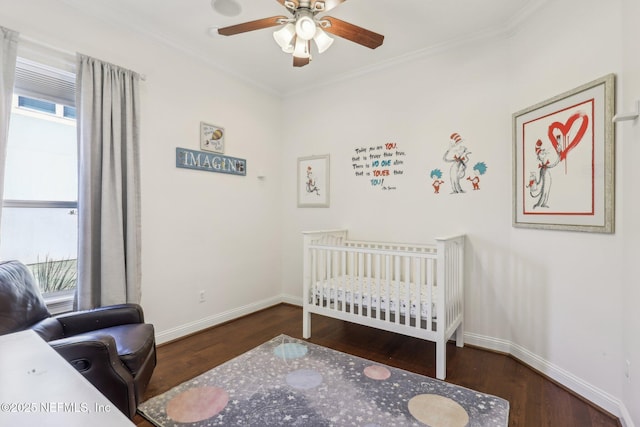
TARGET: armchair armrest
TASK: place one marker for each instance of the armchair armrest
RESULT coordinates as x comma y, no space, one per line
79,322
95,356
49,329
96,349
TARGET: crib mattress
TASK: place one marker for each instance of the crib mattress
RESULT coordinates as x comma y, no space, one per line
363,291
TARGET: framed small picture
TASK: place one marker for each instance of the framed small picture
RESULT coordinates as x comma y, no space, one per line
313,182
211,138
563,161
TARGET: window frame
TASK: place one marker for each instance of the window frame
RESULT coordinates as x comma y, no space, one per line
8,203
59,89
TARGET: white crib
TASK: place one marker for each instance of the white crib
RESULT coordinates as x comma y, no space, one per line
415,290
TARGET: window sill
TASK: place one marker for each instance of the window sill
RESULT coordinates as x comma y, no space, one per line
59,303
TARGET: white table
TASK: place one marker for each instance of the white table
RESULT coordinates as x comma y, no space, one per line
39,388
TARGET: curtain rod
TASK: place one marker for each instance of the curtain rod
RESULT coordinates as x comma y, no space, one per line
69,57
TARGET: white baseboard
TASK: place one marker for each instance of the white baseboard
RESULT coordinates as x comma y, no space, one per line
593,394
216,319
599,397
625,418
292,299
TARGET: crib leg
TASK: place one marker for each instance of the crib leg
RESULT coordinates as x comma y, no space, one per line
460,335
306,324
441,359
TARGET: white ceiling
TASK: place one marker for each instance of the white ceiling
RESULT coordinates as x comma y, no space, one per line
412,28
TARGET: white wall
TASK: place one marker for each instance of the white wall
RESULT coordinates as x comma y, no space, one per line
200,230
552,298
579,274
629,152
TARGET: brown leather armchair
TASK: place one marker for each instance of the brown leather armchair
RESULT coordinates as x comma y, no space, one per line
111,346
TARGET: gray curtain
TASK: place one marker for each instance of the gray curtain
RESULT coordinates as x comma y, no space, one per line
8,54
107,108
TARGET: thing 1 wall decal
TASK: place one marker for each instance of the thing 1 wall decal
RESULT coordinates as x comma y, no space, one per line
379,165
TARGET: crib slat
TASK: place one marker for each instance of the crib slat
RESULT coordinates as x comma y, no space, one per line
364,288
327,275
387,282
314,277
429,276
407,289
396,274
339,297
360,276
322,276
377,287
355,275
326,291
417,281
343,280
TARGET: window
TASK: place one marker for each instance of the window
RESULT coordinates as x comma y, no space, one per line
39,217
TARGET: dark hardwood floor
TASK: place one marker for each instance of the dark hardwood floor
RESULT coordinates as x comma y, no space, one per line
534,400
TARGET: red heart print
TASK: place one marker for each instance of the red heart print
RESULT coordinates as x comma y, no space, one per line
565,128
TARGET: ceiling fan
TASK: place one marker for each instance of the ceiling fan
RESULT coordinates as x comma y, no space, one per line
297,32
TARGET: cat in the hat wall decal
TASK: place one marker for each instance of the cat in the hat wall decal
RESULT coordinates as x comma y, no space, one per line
458,156
479,169
436,176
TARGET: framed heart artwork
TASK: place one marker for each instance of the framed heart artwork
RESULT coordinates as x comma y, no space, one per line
563,162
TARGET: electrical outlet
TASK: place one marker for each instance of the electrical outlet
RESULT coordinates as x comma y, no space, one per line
202,297
627,370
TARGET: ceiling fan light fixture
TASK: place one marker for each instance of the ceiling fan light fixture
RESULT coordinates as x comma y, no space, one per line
296,33
302,49
284,37
305,27
322,39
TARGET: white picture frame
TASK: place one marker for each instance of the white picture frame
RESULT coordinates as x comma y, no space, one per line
563,161
212,138
313,181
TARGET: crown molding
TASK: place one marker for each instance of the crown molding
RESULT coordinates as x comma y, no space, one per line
122,20
499,32
502,31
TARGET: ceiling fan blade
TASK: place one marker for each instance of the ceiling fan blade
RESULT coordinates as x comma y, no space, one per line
251,26
300,62
328,4
352,32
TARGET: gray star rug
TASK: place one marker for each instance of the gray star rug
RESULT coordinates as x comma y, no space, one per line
291,382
